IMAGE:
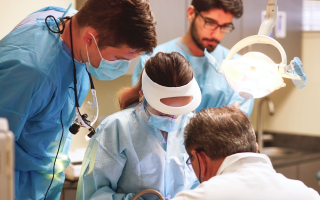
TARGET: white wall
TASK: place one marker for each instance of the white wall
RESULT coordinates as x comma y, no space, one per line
14,11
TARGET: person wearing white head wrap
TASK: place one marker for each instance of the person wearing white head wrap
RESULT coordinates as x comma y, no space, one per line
141,147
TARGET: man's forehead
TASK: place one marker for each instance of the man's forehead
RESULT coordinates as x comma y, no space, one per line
128,50
218,15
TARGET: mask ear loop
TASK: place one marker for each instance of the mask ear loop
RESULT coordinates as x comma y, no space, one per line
96,44
88,54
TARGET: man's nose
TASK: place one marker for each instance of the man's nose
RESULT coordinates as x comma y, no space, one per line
217,34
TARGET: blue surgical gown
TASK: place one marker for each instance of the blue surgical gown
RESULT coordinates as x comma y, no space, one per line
214,88
36,74
128,155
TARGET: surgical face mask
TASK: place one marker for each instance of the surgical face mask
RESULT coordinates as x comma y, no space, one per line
107,70
165,123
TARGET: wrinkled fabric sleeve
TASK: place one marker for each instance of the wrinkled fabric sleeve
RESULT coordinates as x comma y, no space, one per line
107,171
17,92
102,167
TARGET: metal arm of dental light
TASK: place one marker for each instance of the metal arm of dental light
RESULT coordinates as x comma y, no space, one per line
271,18
255,75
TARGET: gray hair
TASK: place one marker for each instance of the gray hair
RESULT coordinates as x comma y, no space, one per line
221,132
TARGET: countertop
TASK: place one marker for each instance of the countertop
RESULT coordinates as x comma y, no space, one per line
308,146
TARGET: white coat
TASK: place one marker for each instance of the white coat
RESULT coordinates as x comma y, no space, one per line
249,176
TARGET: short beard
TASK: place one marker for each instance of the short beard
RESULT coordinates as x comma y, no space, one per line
197,41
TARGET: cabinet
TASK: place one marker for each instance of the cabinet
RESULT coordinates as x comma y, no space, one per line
69,190
304,171
307,174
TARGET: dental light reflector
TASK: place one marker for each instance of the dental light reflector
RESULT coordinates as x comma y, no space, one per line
252,76
255,75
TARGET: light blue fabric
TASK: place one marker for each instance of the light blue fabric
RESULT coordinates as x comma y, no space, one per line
35,76
107,70
214,88
128,155
165,123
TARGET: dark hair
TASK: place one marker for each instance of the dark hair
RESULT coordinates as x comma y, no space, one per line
234,7
120,22
221,132
166,69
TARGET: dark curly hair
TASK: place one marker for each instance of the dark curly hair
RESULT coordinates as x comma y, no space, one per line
235,7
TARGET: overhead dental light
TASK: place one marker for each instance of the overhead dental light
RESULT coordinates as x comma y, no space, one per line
255,75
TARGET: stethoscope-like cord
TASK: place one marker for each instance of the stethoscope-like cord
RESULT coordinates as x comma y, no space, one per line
74,83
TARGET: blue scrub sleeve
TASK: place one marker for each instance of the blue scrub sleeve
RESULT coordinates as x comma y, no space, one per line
108,169
18,91
137,70
246,105
101,171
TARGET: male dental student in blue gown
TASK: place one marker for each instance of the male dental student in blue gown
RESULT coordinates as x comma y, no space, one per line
210,21
43,77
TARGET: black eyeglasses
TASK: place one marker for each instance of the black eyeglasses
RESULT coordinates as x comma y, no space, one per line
188,162
212,25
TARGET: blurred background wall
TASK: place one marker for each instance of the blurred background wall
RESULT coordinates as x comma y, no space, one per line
14,11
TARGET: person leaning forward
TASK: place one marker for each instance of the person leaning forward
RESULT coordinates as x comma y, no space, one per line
37,79
222,147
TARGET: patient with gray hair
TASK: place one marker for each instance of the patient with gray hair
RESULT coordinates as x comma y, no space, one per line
222,149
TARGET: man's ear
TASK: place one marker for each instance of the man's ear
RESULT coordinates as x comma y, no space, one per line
88,39
258,150
88,35
191,13
203,163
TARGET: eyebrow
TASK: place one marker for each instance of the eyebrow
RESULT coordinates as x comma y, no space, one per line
212,20
121,58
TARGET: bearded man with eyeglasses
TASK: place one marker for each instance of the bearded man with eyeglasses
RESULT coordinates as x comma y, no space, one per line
210,21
